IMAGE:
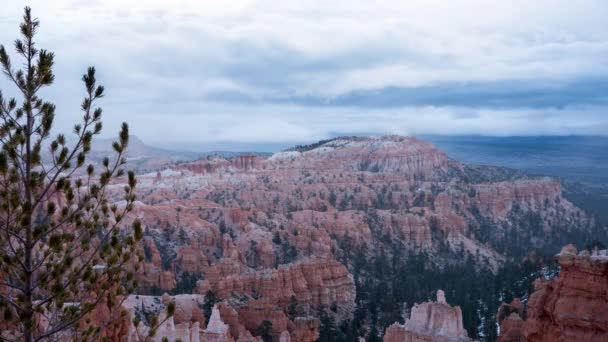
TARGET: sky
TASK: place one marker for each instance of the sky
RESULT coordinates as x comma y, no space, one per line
222,74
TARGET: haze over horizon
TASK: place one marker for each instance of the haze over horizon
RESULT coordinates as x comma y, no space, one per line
262,73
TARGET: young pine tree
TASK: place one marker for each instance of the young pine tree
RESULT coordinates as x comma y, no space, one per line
62,255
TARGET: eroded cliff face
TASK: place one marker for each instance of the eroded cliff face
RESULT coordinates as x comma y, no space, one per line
430,321
571,307
259,232
312,283
282,295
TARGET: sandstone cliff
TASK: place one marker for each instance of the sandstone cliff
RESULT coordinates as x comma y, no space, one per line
267,295
315,282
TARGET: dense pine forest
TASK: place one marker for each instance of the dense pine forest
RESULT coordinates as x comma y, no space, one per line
391,281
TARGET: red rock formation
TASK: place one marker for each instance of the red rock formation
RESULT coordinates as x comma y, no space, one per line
315,282
306,329
229,251
382,154
430,321
256,311
311,283
231,317
570,307
511,328
497,199
574,305
246,161
187,308
266,230
510,322
393,178
205,165
191,259
167,280
505,309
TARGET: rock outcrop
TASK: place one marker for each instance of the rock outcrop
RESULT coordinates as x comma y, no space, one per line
570,307
314,282
510,322
573,306
511,328
406,155
430,321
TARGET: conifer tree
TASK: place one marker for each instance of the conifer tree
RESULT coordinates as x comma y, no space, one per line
62,254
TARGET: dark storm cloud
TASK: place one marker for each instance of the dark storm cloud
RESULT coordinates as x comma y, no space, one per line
498,95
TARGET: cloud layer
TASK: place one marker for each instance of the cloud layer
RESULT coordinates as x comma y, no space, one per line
292,71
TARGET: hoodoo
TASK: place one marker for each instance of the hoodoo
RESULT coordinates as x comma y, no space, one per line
430,321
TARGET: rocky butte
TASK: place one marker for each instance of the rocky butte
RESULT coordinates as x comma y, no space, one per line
275,238
571,307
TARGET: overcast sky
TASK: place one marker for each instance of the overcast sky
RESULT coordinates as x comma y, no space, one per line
220,73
